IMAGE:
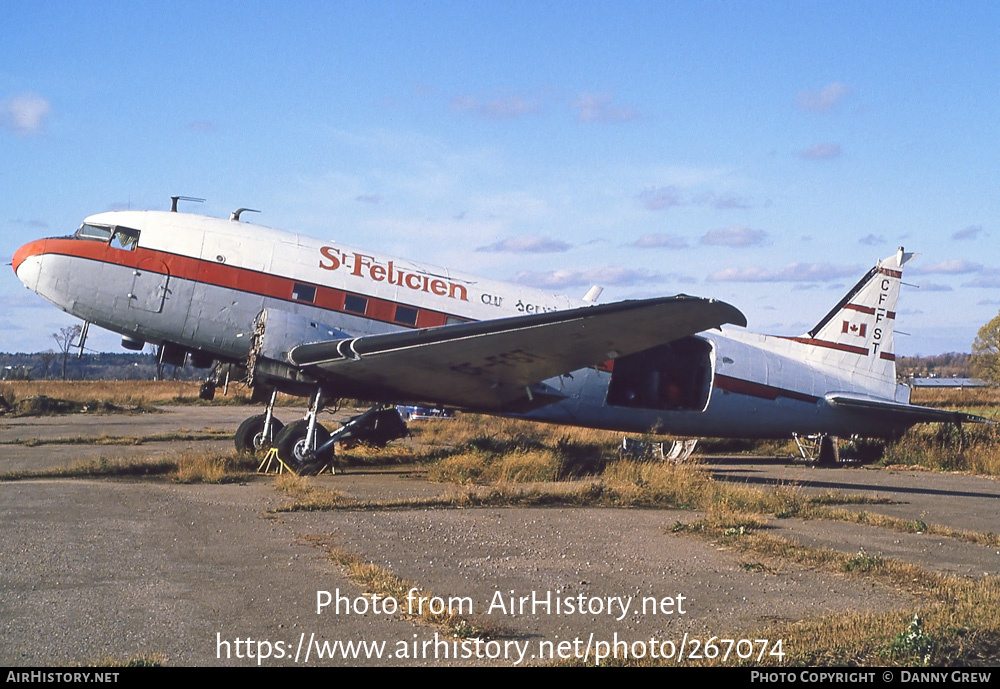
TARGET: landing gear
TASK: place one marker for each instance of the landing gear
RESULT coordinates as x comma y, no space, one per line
822,450
293,445
253,436
304,442
259,432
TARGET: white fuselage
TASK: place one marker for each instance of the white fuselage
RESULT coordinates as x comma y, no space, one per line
199,282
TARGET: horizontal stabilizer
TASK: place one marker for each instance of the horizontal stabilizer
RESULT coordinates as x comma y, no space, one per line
910,412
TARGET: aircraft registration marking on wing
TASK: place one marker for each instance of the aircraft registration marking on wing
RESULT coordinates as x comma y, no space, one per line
509,359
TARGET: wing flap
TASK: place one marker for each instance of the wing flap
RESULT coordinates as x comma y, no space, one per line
499,364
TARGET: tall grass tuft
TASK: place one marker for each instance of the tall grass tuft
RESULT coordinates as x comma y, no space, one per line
973,448
213,467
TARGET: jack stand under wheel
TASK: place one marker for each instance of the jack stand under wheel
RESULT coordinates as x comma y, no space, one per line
273,464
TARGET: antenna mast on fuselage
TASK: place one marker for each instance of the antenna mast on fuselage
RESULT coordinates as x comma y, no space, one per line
175,199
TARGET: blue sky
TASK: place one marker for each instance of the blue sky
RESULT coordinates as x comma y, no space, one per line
766,154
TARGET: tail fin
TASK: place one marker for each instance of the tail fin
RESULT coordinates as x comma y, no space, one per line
858,333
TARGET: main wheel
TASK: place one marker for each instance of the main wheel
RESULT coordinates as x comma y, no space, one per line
291,443
250,438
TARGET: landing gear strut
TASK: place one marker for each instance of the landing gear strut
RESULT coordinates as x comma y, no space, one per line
823,449
305,441
259,433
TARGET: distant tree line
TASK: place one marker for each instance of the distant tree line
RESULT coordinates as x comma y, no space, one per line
950,365
143,366
95,366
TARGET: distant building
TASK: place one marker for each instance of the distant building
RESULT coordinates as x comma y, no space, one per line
956,383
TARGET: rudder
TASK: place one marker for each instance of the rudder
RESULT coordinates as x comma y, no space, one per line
858,332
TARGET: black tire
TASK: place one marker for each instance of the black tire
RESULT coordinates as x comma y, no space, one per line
249,436
291,443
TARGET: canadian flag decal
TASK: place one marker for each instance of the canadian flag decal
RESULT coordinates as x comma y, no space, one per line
854,329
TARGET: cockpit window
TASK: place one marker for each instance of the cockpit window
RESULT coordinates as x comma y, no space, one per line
119,237
125,238
97,232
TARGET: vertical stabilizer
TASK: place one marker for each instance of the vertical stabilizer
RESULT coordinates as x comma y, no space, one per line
857,334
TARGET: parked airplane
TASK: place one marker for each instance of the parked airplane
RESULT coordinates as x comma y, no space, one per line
323,320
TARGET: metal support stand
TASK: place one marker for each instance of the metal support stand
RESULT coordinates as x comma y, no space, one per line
272,464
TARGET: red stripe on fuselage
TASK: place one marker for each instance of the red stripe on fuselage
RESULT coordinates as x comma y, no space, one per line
830,345
869,310
229,277
768,392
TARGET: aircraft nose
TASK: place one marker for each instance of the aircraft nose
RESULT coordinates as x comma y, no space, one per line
27,263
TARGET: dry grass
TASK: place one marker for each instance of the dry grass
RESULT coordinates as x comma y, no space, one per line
308,497
213,467
958,620
121,393
143,660
369,455
411,600
916,526
188,467
125,439
974,448
983,398
129,395
102,467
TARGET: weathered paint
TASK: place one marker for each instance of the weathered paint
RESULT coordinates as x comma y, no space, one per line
200,282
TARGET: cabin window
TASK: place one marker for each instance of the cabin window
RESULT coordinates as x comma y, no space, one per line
125,238
406,315
97,232
355,304
304,293
452,320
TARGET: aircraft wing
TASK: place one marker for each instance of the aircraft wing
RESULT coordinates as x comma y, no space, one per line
500,364
909,412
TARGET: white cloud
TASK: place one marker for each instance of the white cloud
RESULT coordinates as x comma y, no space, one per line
34,223
559,279
598,107
734,237
871,240
24,114
793,272
527,245
955,266
824,99
729,202
504,108
990,281
826,151
970,232
658,198
660,241
935,287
